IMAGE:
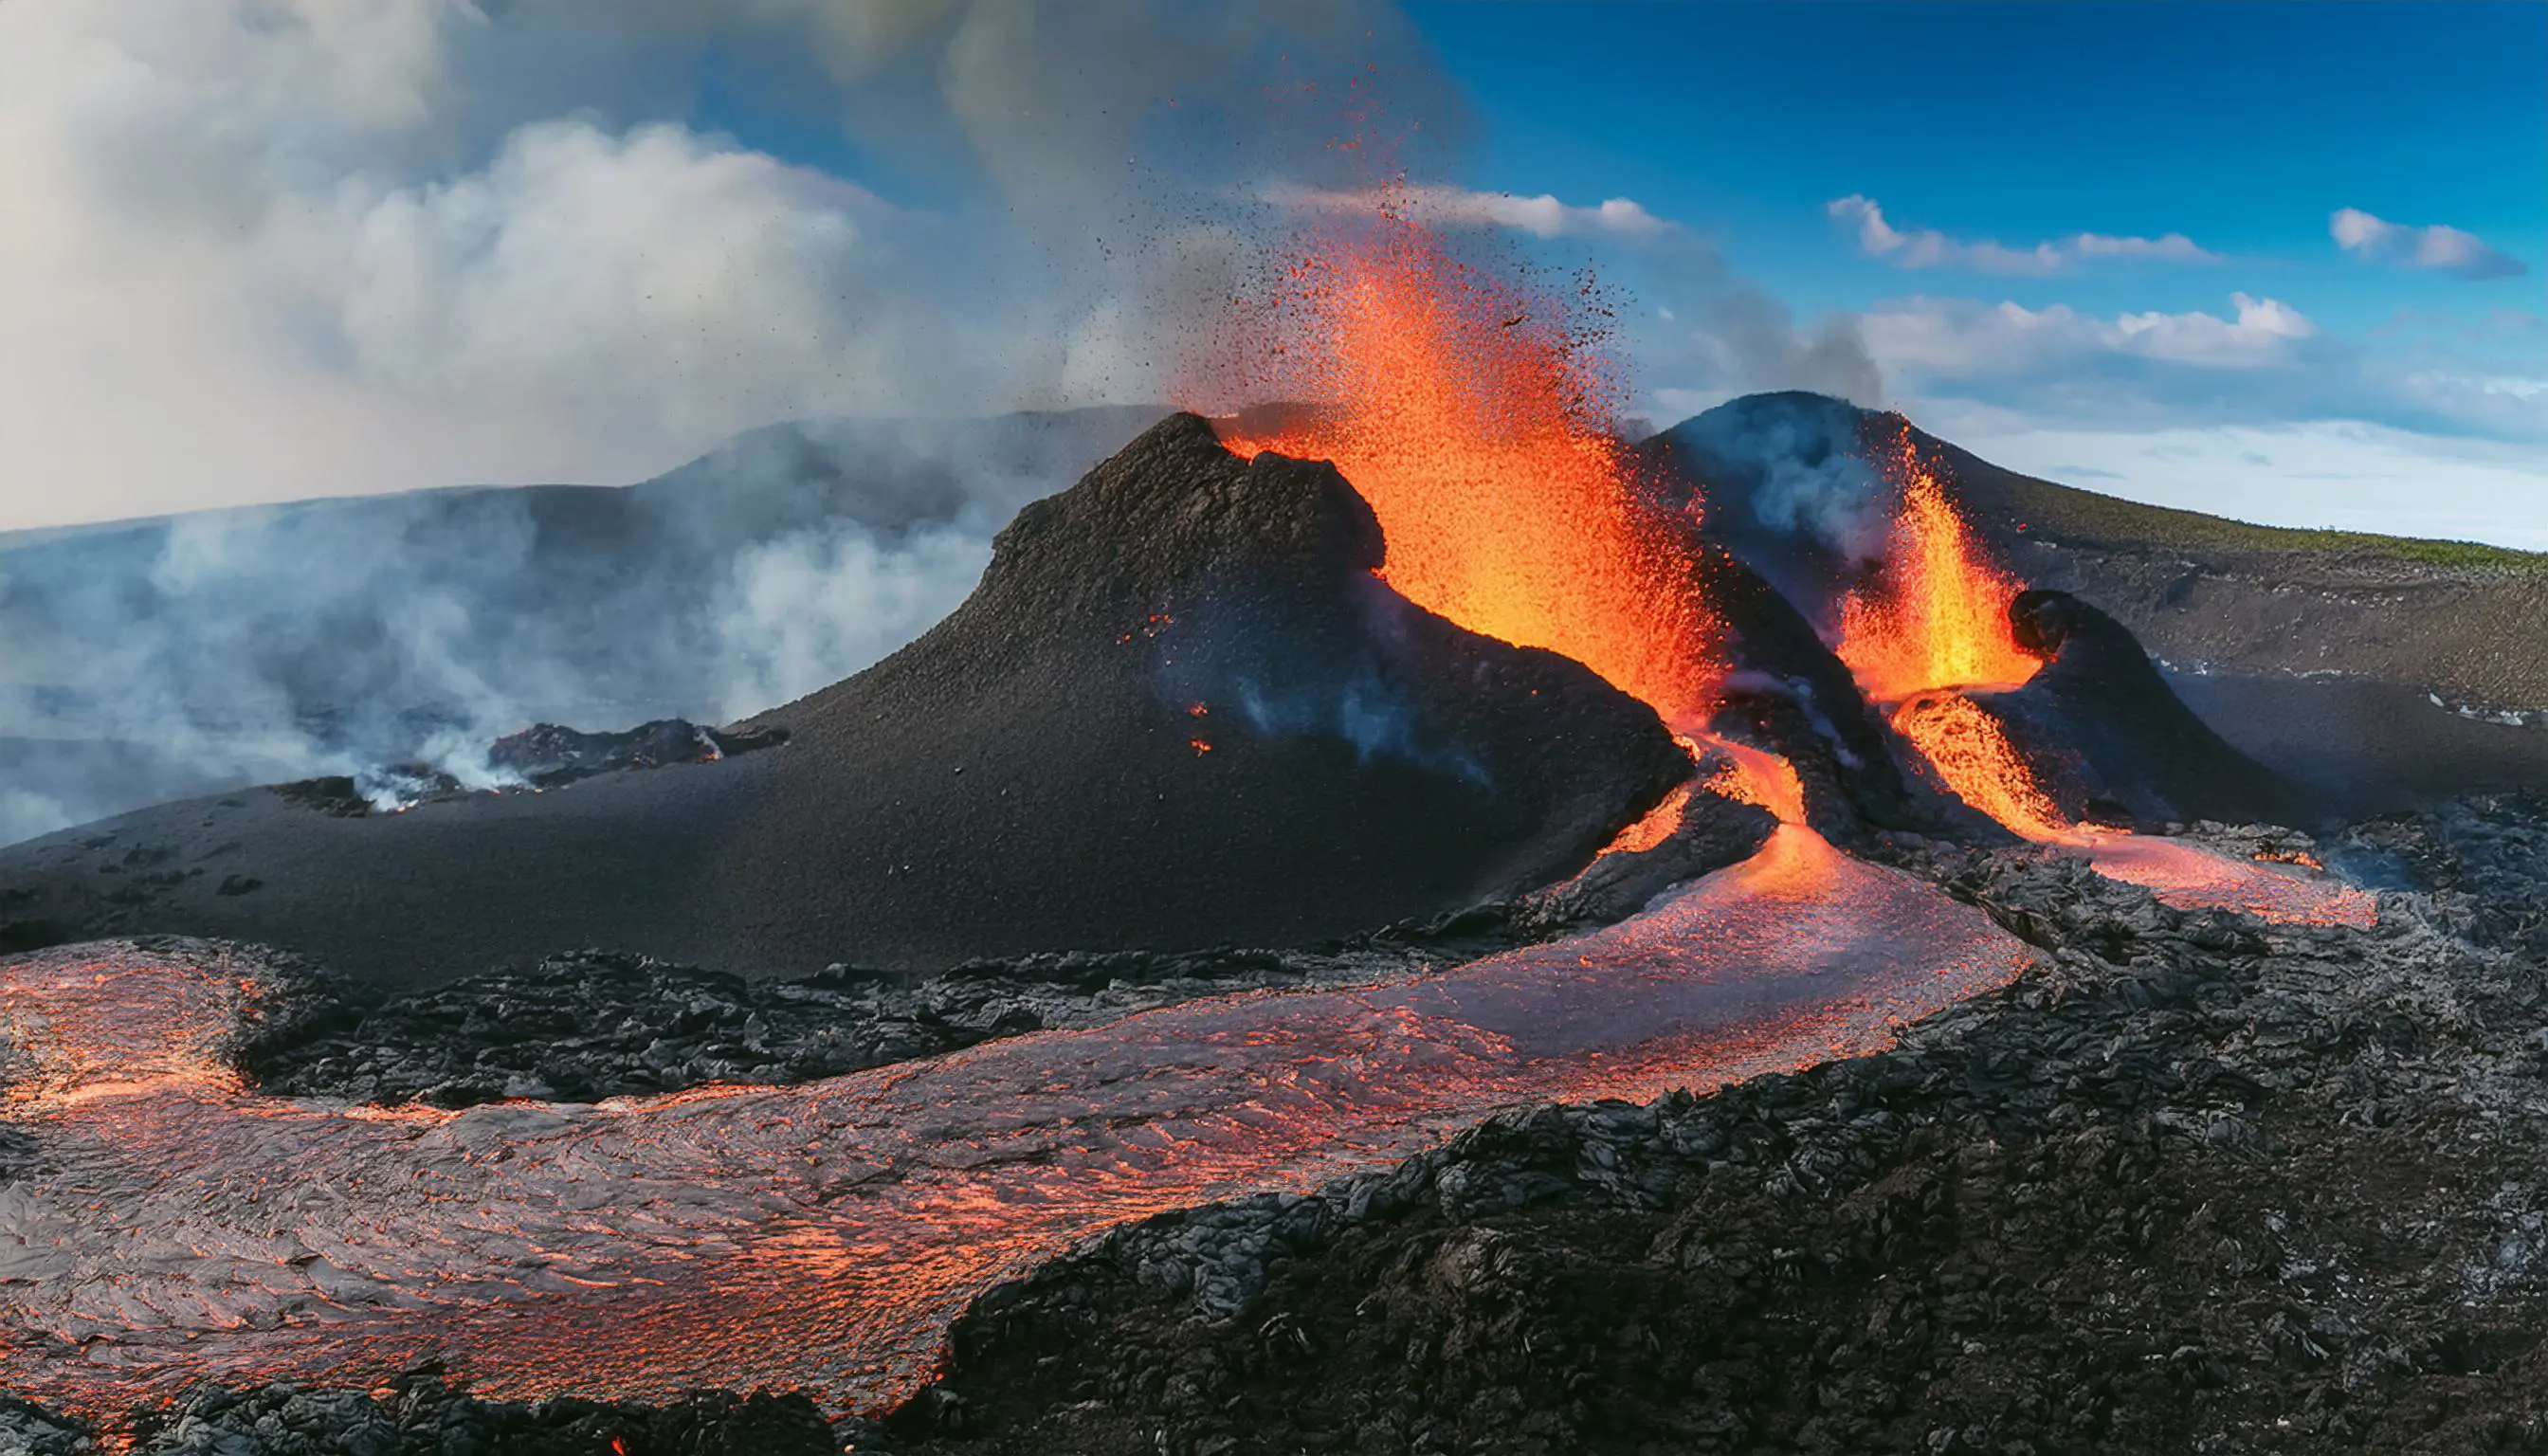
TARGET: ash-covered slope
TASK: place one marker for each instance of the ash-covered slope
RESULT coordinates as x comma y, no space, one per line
1179,710
2106,738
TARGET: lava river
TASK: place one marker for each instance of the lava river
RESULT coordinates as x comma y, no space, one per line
165,1224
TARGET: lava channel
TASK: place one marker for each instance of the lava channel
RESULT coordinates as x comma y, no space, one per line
169,1225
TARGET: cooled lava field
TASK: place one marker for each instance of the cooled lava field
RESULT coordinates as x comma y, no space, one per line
1348,942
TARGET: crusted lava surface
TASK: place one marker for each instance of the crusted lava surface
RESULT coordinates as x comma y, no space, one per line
1179,711
594,1024
2199,1185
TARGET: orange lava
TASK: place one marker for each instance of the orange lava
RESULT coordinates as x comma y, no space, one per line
180,1226
1937,616
1470,413
1753,775
1744,774
1970,753
1660,823
2191,877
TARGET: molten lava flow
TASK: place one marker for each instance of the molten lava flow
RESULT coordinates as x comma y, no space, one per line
176,1226
1660,823
1971,754
1746,775
1466,413
1753,775
1935,620
1937,616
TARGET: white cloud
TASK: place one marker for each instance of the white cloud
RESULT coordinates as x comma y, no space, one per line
1965,336
1456,207
1930,249
264,249
2436,248
2262,362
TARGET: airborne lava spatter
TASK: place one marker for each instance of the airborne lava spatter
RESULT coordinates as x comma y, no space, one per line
1934,620
1468,414
1936,615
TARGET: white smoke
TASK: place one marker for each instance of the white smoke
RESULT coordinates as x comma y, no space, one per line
267,250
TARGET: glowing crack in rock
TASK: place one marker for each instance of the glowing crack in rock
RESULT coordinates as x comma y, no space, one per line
164,1223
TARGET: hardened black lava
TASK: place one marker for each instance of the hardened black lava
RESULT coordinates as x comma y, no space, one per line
2199,1184
420,1415
594,1024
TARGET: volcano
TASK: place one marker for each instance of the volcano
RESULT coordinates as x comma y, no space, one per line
2101,722
2379,671
1187,707
1179,710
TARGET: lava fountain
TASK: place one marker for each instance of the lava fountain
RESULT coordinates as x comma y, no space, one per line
172,1224
1935,621
1470,413
1934,626
1936,615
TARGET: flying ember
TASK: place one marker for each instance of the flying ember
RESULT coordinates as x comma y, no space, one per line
1470,413
1936,615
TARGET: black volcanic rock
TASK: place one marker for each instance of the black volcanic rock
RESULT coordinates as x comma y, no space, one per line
1180,710
547,755
2195,1183
2111,739
1788,693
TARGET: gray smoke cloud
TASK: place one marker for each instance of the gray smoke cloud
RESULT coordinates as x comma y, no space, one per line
283,249
186,655
268,250
272,250
1706,335
1756,344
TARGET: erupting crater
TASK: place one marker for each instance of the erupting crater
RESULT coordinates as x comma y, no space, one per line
1468,412
169,1224
1931,638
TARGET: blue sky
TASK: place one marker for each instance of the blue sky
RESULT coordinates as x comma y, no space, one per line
2241,126
2375,393
2284,260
